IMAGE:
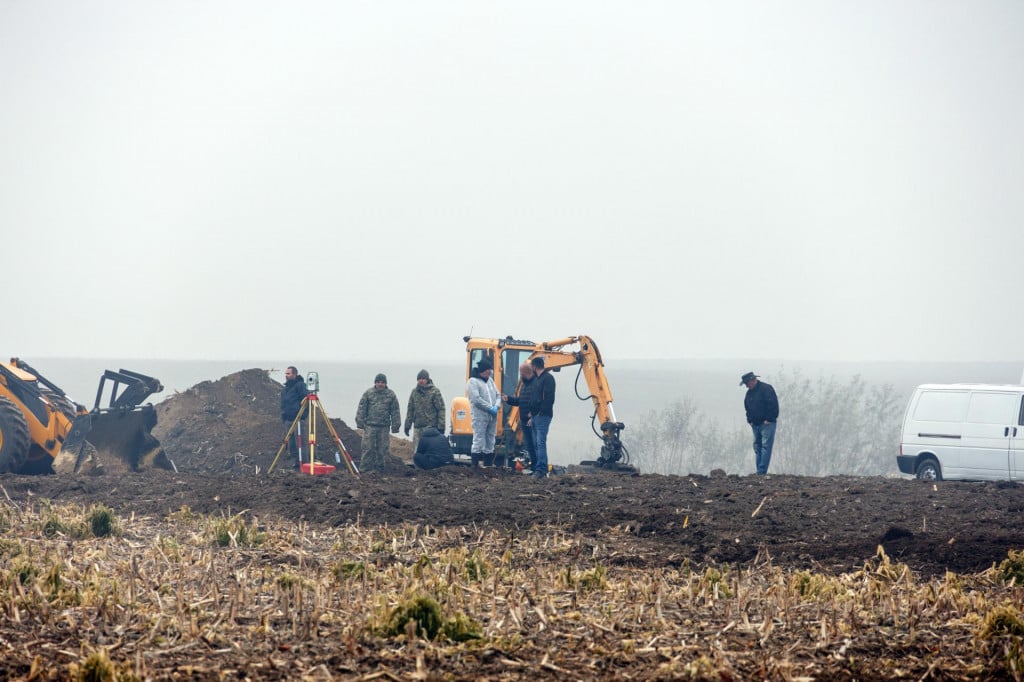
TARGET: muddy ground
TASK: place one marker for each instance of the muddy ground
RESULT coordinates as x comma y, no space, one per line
829,524
223,436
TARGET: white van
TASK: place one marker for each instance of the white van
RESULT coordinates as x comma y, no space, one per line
971,432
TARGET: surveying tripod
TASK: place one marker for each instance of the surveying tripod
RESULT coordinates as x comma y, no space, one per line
311,406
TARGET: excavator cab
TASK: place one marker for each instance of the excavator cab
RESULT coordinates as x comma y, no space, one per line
42,429
505,359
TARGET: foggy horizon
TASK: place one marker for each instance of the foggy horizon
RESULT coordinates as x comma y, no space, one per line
818,181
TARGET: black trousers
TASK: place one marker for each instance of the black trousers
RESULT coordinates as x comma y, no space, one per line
531,446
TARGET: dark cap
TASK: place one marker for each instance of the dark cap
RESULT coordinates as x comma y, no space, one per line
423,374
749,376
380,377
484,365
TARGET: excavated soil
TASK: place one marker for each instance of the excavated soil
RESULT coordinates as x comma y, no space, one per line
223,436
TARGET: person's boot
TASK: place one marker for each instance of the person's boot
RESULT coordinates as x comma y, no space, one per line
499,461
488,459
474,458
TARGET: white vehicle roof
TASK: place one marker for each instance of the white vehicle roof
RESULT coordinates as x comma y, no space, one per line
1009,388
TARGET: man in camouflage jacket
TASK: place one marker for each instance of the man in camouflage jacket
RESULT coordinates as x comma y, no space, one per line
378,409
426,408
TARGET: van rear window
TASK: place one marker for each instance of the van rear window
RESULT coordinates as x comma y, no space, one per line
941,406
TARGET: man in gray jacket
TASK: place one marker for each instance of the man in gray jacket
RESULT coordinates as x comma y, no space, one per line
484,402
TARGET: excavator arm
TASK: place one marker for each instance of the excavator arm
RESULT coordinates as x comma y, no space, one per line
583,352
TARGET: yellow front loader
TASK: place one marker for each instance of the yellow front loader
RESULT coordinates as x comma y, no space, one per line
40,424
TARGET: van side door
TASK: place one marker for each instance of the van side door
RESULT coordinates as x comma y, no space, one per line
1017,444
985,446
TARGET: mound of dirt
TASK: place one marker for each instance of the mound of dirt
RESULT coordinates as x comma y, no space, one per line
233,426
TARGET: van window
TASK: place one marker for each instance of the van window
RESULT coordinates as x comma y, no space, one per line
992,408
941,406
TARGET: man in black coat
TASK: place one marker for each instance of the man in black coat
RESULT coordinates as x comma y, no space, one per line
292,395
433,450
542,402
522,401
762,406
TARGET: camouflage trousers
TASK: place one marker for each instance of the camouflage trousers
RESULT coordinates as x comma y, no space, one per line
376,448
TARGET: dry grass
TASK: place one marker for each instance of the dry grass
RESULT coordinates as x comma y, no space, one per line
199,597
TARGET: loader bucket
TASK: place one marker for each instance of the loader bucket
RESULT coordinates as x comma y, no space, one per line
123,438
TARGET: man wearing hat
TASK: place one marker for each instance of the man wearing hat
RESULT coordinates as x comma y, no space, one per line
378,409
426,408
762,406
484,403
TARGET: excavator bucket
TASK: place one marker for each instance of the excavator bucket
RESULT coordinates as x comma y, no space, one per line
125,437
119,432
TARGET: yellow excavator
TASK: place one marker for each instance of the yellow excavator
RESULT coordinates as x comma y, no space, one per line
40,426
506,355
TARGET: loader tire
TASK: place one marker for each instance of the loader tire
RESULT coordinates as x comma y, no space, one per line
14,438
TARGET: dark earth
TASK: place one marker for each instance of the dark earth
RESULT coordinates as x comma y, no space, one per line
223,436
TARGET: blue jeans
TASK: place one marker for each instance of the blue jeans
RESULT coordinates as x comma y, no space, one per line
764,438
540,425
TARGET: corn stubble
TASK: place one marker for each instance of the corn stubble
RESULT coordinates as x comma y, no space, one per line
88,596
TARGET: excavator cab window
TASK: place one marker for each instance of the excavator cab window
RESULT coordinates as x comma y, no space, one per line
511,358
474,359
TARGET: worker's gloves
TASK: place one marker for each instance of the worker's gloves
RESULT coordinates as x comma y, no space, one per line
407,432
494,409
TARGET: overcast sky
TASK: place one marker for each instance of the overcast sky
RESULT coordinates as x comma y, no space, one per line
373,180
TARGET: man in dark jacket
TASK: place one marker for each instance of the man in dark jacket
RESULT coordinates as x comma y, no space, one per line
292,395
542,402
433,450
762,406
522,401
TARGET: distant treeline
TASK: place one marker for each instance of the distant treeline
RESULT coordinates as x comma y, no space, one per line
826,427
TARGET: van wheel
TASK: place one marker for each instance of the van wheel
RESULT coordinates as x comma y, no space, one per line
928,470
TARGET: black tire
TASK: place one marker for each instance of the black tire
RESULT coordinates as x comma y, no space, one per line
14,438
928,470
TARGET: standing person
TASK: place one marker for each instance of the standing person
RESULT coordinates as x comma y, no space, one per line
542,403
426,408
378,409
762,406
292,395
527,377
484,403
